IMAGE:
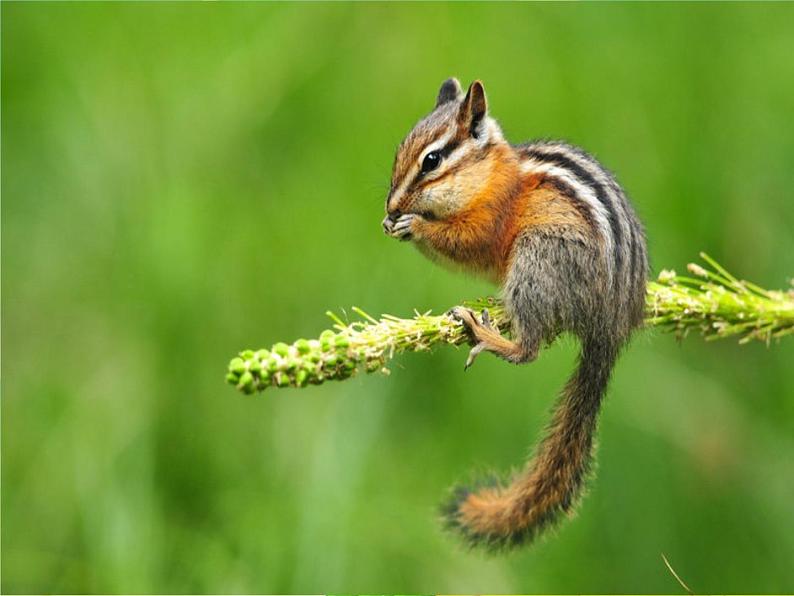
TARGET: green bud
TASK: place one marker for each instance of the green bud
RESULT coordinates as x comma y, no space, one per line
237,366
332,360
246,384
300,377
302,345
281,349
264,376
327,340
341,341
272,365
282,380
262,354
247,354
231,378
255,366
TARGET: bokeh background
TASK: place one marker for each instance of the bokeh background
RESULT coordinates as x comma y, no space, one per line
181,181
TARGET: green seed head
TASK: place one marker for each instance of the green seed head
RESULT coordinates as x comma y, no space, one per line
246,384
281,349
237,366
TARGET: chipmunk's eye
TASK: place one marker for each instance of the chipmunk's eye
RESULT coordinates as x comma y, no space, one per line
431,161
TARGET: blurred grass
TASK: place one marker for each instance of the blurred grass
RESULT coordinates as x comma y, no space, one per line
180,180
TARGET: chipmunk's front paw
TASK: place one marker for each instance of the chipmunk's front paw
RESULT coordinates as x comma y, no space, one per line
402,228
469,320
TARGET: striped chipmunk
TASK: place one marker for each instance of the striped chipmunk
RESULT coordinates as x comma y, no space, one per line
552,227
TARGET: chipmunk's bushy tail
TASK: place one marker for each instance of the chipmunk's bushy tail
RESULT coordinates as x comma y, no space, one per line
504,516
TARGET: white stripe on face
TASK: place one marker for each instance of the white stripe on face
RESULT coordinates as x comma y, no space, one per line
411,174
436,146
449,160
397,195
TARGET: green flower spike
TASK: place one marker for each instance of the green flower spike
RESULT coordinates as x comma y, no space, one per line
712,303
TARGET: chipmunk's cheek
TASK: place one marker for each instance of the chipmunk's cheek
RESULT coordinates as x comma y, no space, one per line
429,205
440,202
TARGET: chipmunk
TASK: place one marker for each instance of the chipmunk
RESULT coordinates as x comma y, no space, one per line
552,227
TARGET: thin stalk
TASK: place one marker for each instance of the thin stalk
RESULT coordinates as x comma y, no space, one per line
714,304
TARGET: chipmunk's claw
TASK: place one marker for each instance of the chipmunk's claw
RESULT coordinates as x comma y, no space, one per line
473,353
469,320
486,320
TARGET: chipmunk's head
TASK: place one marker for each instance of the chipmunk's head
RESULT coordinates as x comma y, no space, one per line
447,158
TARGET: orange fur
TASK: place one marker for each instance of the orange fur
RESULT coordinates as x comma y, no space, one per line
481,236
525,503
541,489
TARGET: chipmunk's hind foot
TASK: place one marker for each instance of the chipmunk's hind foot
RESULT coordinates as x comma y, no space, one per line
486,337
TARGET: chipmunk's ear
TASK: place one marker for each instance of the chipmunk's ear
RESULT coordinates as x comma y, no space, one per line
450,91
473,109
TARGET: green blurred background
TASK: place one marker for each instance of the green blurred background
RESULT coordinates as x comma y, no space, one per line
181,181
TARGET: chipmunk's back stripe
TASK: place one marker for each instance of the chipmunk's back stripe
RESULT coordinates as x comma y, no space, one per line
584,195
631,242
633,235
639,258
568,191
569,161
564,161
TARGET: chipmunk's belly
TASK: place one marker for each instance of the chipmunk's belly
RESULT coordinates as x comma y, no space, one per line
450,264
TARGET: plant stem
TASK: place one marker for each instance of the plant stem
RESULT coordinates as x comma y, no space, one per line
713,303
